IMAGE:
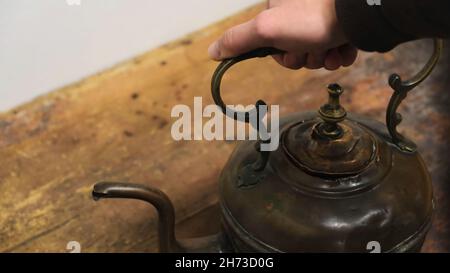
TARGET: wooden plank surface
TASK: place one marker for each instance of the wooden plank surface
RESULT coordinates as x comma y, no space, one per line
116,126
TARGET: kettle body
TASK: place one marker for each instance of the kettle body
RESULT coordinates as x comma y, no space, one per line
290,210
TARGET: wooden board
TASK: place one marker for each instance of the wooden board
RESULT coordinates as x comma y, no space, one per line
116,126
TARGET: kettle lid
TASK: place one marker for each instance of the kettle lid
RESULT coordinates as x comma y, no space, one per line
330,145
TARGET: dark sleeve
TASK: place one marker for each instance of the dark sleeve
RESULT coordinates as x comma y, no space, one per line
392,22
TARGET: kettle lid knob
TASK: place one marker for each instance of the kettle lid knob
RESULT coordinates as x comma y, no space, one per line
332,113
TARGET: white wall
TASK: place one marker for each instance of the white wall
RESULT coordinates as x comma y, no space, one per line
45,44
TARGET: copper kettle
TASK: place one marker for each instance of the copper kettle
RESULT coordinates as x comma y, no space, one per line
336,182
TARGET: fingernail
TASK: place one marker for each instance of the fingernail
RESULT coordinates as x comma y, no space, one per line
213,51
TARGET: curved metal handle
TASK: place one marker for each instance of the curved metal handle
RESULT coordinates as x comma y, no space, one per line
401,90
247,173
223,67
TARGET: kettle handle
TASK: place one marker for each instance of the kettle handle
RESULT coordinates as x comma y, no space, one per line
401,90
166,212
216,81
223,67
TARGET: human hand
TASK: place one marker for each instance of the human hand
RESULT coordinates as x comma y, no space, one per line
307,30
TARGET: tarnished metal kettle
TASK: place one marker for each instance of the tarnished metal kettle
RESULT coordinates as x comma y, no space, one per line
336,183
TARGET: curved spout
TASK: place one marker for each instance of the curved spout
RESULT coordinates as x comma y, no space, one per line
166,224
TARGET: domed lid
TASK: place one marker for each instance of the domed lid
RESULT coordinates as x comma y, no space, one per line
329,146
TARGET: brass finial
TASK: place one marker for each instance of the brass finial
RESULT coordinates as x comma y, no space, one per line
332,113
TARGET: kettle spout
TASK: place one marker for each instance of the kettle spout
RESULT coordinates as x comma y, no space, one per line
166,212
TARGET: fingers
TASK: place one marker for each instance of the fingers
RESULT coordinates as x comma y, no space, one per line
348,54
333,59
297,61
242,38
291,61
342,56
279,58
315,60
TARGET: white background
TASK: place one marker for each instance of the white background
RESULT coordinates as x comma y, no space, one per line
45,44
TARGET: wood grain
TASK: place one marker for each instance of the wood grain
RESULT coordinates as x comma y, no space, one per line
116,126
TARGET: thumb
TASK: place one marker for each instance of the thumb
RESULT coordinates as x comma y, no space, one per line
240,39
